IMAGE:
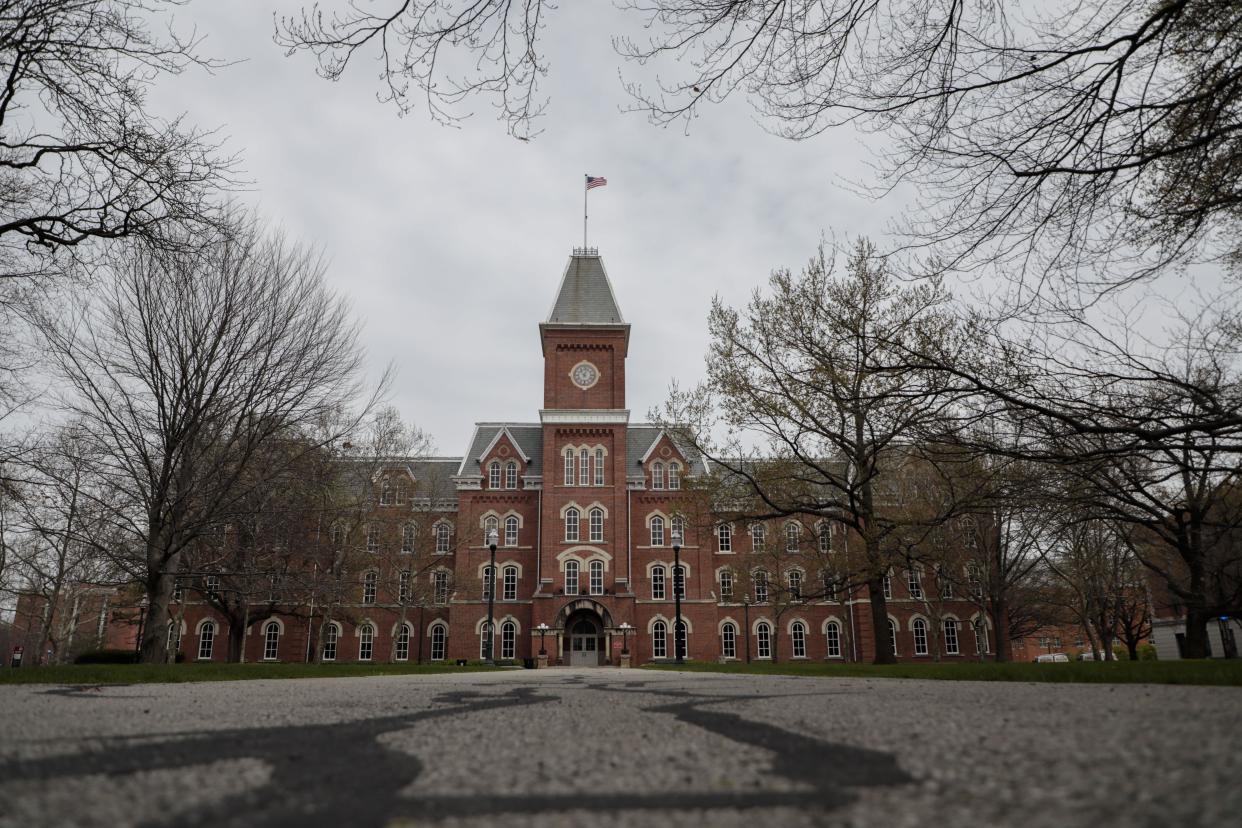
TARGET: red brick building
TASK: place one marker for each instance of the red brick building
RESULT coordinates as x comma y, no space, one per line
585,505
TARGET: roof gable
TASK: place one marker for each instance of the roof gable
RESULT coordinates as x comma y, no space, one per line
585,296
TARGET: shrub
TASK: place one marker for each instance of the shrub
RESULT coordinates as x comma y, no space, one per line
1147,652
107,657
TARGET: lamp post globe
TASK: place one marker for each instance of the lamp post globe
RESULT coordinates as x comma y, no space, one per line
625,637
543,630
492,537
679,585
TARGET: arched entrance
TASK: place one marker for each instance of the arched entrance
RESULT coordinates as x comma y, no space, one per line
584,639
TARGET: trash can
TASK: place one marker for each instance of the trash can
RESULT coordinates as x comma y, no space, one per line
17,657
528,663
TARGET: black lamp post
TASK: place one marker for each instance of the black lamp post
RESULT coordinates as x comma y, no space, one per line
746,632
679,581
625,637
543,629
492,537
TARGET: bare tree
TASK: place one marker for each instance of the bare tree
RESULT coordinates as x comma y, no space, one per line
809,372
190,364
81,158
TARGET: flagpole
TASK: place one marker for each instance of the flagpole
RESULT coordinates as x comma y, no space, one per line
585,190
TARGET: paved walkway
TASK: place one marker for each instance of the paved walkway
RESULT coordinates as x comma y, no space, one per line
611,747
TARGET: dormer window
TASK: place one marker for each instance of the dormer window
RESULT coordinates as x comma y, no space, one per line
511,474
493,475
386,493
657,476
674,475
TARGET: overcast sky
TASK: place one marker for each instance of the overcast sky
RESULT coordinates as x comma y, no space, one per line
450,243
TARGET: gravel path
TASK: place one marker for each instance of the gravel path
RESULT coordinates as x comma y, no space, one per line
611,747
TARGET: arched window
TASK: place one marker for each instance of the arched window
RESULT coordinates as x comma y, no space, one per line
337,535
831,585
950,637
724,538
408,533
892,635
797,636
511,475
439,637
677,529
511,531
674,475
493,475
914,580
920,636
597,525
489,578
761,586
832,633
271,641
444,533
792,536
888,586
597,577
330,634
763,639
400,490
405,592
679,581
726,585
728,641
485,644
386,492
584,467
510,583
373,539
657,531
491,523
657,476
508,640
370,581
569,467
571,577
401,647
659,640
758,537
795,585
440,587
206,640
981,637
366,642
572,516
974,583
174,638
824,531
657,583
599,467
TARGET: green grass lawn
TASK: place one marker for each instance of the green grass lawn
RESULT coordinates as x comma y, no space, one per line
167,673
1218,672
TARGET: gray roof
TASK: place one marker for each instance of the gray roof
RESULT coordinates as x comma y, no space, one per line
639,439
433,476
585,296
529,437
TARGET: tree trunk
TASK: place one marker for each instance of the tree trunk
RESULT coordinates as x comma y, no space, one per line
1196,643
879,622
237,636
155,630
1000,629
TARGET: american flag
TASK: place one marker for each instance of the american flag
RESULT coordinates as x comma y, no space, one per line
596,181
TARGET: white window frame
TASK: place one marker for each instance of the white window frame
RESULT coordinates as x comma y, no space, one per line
509,584
370,587
914,582
570,466
794,577
951,644
658,583
408,533
440,588
832,636
760,578
596,522
584,467
724,538
679,581
401,644
573,527
572,577
793,537
331,636
366,642
763,640
674,476
596,577
444,538
491,523
405,582
511,474
508,640
657,531
657,476
919,627
493,475
659,639
888,586
824,533
439,641
892,635
599,467
489,578
512,528
758,537
206,640
797,637
372,540
726,585
271,643
728,640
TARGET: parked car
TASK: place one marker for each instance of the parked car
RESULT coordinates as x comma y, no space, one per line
1051,657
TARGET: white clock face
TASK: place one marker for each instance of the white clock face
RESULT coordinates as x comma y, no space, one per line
584,375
